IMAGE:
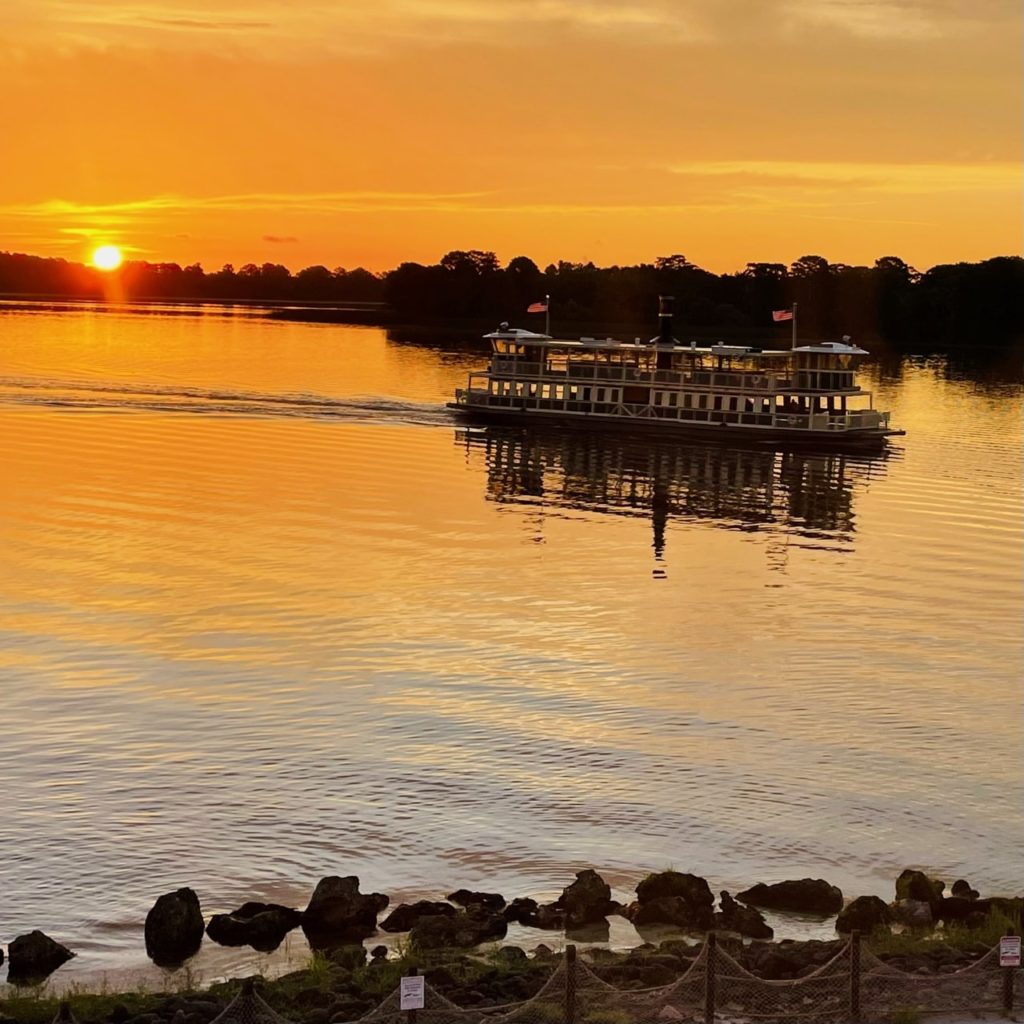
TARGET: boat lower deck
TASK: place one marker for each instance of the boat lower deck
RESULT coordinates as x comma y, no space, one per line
721,430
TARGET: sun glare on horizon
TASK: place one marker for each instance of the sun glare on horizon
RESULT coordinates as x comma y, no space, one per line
107,257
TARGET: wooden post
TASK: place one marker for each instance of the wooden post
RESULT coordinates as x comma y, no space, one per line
410,1015
1008,985
710,949
855,976
570,985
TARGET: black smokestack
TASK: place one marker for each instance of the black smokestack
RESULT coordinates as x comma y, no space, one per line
664,361
665,319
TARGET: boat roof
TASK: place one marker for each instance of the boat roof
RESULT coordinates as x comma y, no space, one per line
718,349
841,348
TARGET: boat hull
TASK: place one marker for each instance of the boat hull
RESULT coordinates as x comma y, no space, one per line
721,433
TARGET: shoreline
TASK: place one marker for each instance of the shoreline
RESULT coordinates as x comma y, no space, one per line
681,910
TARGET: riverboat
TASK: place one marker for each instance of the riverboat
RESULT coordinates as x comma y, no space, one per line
804,394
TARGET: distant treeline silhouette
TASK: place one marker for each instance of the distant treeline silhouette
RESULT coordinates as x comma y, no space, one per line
949,305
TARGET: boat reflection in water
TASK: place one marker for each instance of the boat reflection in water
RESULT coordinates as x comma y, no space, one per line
800,494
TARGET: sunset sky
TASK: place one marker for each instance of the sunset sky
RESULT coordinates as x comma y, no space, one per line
357,133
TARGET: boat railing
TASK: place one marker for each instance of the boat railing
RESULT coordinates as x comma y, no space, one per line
479,393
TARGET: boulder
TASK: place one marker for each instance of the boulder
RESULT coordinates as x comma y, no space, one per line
963,888
671,910
338,913
864,914
675,885
522,910
174,928
801,896
405,915
916,885
587,900
466,898
33,957
260,925
466,928
743,920
961,909
379,953
550,916
673,898
913,913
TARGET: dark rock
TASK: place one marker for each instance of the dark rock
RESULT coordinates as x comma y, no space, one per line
174,928
338,913
468,928
316,1016
959,908
405,915
586,900
550,916
963,888
522,910
466,898
864,914
916,885
348,956
592,931
672,910
511,955
675,885
774,962
119,1013
379,953
260,925
33,957
743,920
802,896
914,913
542,952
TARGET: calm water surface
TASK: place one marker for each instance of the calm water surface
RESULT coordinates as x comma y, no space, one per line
268,613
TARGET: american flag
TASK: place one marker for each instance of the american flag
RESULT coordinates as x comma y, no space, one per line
778,315
537,307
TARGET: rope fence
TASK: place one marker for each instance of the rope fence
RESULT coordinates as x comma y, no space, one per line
854,987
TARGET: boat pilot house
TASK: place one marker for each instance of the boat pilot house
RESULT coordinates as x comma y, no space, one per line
801,393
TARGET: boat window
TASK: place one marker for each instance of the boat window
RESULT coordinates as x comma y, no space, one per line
600,394
673,399
703,402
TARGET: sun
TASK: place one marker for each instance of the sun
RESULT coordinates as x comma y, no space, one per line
107,257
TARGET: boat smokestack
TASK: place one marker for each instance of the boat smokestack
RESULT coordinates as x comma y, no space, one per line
665,303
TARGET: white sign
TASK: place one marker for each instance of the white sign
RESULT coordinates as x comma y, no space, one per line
410,993
1009,951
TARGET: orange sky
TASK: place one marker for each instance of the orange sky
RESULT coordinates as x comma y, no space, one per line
356,133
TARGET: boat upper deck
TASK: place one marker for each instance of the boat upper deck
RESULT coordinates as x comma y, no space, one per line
513,341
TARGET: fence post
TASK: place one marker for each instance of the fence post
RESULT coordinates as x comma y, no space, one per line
710,946
1008,985
855,976
410,1015
570,985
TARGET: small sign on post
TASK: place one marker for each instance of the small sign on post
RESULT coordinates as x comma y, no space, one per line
1009,951
411,993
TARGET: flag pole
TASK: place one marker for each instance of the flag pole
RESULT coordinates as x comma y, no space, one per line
547,314
794,326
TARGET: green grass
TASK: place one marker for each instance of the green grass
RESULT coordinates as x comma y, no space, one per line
956,936
905,1015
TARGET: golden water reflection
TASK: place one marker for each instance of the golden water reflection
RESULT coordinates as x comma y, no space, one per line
808,494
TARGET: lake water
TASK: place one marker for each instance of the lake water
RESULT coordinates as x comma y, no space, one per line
268,613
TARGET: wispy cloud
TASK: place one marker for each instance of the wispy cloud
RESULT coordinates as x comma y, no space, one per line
917,178
280,239
363,26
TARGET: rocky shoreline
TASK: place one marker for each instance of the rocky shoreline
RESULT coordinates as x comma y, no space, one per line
445,937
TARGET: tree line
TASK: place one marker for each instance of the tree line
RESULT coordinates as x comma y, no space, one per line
950,304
